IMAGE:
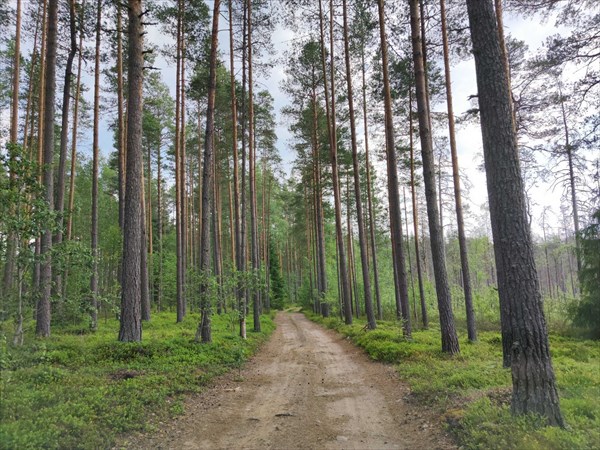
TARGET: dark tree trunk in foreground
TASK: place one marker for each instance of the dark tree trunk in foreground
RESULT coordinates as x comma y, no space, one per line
204,330
131,292
364,254
460,222
448,330
43,306
400,279
534,386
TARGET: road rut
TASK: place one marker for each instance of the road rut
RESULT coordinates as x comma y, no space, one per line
307,388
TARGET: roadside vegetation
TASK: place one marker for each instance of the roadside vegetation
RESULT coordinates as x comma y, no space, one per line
80,390
472,390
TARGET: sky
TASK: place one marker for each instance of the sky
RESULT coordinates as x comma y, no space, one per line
464,86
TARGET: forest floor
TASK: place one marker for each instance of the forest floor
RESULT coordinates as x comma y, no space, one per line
308,387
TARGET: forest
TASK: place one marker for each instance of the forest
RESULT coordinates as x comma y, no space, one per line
176,176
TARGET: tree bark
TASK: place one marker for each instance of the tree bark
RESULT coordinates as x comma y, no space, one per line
320,232
74,139
460,222
362,238
204,333
415,212
369,193
252,166
331,125
121,118
401,291
43,307
59,204
179,250
95,162
236,184
11,247
131,292
534,386
449,337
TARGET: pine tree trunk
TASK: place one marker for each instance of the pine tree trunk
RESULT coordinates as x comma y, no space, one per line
449,337
11,245
74,140
362,238
252,166
29,109
243,196
569,150
236,184
415,211
96,150
204,333
320,241
36,273
401,291
331,126
131,292
460,222
534,386
159,220
43,307
183,210
59,205
144,280
121,118
181,304
369,193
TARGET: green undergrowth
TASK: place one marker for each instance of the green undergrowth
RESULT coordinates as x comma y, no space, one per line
81,390
473,390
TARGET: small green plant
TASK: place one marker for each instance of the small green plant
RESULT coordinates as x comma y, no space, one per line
80,390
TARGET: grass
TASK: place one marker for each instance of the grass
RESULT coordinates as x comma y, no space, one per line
80,390
472,390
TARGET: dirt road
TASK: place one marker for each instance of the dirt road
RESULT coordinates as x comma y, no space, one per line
307,388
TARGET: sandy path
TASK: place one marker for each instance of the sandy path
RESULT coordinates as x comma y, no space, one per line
307,388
